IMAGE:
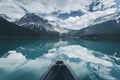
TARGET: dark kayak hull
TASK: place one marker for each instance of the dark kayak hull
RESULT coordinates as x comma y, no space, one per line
59,71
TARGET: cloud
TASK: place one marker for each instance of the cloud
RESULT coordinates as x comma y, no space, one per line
16,66
76,51
80,22
7,63
91,71
15,9
48,6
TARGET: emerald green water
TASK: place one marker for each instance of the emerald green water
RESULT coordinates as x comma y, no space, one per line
28,59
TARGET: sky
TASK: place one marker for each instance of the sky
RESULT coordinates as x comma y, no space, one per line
72,14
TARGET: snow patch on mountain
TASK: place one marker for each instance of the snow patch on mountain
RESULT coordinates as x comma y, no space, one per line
34,22
113,16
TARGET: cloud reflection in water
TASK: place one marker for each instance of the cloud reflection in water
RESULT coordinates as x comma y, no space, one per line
31,60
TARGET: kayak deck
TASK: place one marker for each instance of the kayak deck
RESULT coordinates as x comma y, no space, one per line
59,71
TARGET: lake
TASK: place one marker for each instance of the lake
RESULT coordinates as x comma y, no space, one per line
28,59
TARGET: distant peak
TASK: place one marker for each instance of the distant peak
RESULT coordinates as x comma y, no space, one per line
31,17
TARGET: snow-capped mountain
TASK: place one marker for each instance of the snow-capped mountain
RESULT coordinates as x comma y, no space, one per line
30,18
104,27
55,17
114,16
40,25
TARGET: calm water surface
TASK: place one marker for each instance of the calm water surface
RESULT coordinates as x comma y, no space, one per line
28,59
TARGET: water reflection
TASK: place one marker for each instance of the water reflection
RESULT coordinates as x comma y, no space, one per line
23,59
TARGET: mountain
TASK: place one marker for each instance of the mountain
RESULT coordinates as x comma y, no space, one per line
39,25
30,17
8,29
104,27
78,15
4,16
33,25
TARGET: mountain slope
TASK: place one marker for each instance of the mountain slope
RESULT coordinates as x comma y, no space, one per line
8,29
4,16
105,27
39,25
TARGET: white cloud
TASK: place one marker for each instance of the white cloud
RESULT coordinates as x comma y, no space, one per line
13,60
83,70
80,22
48,6
76,51
14,9
16,65
16,61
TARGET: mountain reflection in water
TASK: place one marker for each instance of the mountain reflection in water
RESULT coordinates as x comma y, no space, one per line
28,59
